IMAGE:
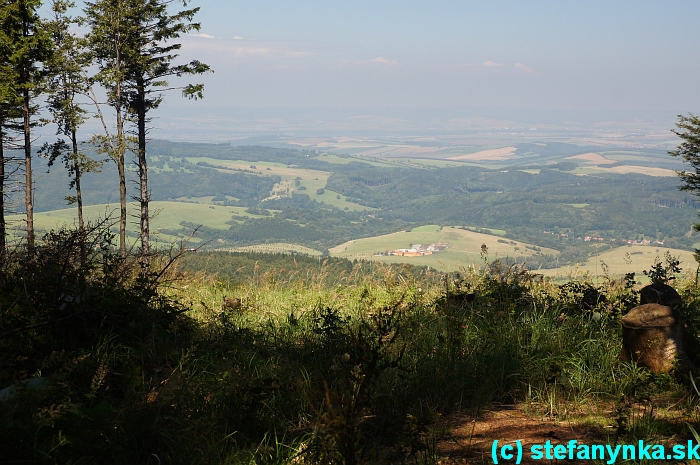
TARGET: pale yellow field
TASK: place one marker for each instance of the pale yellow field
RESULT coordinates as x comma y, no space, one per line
648,170
493,154
594,160
279,169
464,249
621,260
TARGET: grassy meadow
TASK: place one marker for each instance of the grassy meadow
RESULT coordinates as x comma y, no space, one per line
622,260
167,216
464,249
310,180
380,366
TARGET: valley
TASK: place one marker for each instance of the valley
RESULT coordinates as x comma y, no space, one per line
555,206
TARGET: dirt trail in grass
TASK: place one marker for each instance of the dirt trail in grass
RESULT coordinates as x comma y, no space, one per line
470,439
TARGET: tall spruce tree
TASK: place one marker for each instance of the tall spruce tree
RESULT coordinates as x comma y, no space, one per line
30,47
10,128
148,64
65,84
107,41
10,113
689,150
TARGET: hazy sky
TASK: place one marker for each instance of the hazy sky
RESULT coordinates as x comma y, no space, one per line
620,55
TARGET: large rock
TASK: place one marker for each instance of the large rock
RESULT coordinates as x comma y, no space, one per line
662,294
652,337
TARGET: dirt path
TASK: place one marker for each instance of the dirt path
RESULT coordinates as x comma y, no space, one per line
470,439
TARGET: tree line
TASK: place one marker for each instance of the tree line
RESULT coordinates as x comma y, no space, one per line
117,71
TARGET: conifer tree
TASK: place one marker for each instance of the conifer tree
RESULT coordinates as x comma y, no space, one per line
10,114
107,42
689,150
30,46
65,84
149,63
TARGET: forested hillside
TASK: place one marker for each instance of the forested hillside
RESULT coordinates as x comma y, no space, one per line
547,206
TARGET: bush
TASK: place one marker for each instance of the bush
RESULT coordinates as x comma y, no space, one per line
76,323
105,362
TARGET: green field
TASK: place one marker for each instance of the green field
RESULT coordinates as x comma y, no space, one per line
438,163
464,249
331,158
331,198
205,200
167,215
311,180
497,232
626,259
427,228
280,247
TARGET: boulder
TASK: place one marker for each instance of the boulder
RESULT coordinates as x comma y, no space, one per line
662,294
652,337
231,304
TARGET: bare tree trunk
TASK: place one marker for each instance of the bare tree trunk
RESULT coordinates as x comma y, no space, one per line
79,197
119,149
122,195
2,192
79,192
121,144
143,170
28,201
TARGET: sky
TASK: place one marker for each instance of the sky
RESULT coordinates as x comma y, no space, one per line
558,60
621,55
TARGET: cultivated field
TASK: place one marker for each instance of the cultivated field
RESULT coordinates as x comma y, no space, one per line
621,260
311,180
464,249
593,158
647,170
167,215
626,169
501,154
330,158
278,247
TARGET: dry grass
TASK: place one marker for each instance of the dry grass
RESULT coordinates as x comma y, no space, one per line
648,170
501,154
621,260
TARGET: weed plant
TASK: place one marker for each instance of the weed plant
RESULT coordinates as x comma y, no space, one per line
102,362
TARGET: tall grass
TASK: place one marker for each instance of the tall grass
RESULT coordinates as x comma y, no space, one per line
300,372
